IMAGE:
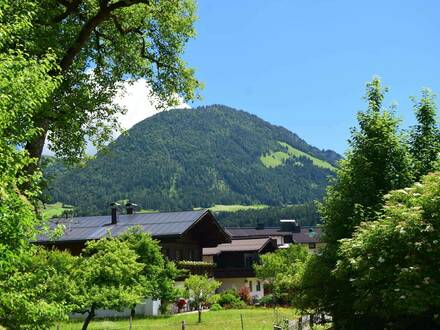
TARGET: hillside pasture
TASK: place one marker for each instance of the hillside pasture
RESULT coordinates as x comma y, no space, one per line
278,158
234,207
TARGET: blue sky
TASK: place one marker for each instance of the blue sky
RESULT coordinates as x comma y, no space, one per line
304,64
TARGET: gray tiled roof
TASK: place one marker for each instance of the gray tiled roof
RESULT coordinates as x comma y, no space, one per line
306,234
95,227
237,245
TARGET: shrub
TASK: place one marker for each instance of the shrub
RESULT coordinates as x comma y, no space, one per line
216,307
181,304
230,291
228,299
239,304
214,299
267,300
245,294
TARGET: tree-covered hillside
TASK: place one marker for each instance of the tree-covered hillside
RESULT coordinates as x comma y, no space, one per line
306,214
182,159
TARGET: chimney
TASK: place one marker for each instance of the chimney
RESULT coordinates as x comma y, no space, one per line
290,225
130,207
114,207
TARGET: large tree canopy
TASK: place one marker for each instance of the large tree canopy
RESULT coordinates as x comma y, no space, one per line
377,162
97,45
24,87
282,270
393,262
343,280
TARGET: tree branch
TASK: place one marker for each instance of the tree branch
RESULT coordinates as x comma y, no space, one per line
89,27
119,27
71,7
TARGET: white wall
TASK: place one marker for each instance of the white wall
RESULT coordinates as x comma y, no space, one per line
238,282
148,308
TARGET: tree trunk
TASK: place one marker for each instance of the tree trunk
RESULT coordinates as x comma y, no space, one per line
132,313
35,150
89,318
200,314
36,145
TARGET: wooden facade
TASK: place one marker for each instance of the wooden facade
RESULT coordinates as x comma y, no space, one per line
181,240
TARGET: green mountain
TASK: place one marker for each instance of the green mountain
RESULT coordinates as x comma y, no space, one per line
188,158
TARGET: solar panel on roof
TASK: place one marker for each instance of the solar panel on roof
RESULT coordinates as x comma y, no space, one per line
95,227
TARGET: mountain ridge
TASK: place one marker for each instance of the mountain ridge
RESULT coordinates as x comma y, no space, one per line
186,158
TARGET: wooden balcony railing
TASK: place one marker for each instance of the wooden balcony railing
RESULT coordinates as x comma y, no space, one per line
195,268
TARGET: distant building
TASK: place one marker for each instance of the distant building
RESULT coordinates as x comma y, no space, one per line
234,263
289,232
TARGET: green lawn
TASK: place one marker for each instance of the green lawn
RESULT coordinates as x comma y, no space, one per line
253,319
277,158
234,207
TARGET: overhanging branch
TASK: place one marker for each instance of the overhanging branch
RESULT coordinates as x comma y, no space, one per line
71,7
83,36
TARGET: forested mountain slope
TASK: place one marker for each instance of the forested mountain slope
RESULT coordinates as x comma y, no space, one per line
186,158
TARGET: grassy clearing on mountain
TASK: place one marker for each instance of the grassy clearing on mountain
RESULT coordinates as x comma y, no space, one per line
147,211
278,158
54,210
234,207
274,159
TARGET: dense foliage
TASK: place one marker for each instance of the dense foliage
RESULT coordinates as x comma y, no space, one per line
425,136
97,45
60,65
393,262
183,159
40,291
24,87
157,274
378,161
282,271
109,277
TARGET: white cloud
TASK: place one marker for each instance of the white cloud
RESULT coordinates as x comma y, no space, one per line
139,103
136,98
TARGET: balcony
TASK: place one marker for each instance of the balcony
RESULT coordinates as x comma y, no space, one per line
195,268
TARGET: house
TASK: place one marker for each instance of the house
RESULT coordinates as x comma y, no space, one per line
234,263
289,232
182,235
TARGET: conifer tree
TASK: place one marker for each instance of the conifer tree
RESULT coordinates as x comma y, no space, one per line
425,135
378,161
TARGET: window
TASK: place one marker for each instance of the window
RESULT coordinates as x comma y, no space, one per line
248,259
190,254
197,254
312,246
258,288
178,255
251,286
